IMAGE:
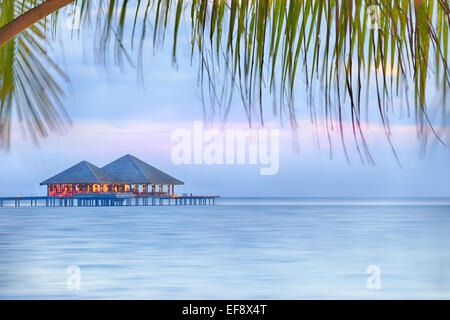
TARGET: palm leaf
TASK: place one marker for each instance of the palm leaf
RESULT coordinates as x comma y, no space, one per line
29,80
258,43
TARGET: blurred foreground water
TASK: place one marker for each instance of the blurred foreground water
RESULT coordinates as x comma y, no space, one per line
242,248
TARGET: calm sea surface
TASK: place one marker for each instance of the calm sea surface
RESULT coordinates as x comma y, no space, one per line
238,249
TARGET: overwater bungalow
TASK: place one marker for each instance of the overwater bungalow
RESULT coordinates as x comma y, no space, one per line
127,175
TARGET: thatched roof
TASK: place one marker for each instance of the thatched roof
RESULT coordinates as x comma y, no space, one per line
82,173
131,170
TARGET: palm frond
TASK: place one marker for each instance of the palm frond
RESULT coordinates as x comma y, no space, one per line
256,47
30,81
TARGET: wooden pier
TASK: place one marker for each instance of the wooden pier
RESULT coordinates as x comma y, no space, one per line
106,201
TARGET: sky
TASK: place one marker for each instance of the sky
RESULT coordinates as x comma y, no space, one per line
112,115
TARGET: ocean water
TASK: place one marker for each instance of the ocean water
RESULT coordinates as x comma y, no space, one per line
241,248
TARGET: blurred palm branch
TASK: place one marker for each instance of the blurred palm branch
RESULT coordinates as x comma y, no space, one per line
253,49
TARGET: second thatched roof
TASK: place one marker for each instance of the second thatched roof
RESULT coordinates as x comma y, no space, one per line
131,170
